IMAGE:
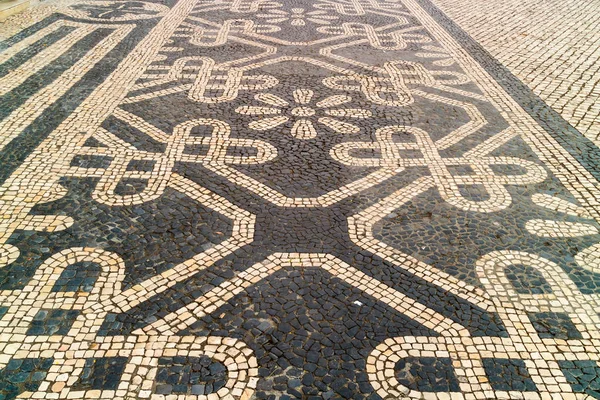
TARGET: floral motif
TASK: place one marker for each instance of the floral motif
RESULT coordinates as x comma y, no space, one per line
298,17
303,128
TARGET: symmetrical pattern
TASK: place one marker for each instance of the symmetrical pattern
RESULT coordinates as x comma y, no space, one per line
258,199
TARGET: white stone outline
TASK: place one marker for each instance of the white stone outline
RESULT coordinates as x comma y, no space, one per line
210,301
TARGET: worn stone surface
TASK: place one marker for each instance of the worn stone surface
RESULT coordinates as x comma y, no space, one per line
254,199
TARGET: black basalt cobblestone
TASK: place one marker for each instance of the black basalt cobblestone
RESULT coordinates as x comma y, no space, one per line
287,200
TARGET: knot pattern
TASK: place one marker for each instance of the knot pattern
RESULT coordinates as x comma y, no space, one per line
184,144
392,153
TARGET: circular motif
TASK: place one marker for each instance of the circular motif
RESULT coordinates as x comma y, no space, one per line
303,112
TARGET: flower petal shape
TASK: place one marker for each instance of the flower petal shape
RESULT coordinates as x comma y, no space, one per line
333,101
271,100
339,126
277,20
274,11
267,123
254,110
303,96
318,21
349,112
323,17
304,129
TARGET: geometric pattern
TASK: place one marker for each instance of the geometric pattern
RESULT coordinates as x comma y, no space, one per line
239,199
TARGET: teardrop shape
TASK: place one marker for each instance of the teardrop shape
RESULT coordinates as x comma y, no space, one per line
304,129
339,126
335,100
271,99
267,123
349,113
303,96
254,110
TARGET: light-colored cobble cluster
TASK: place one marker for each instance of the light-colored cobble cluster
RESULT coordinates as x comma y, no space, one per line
38,10
552,46
213,113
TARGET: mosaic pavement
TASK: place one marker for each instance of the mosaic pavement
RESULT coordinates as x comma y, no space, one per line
551,45
236,199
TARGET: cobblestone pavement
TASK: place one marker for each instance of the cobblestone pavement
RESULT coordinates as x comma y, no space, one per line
553,46
254,199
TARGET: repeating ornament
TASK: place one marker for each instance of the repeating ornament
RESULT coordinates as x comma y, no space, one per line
362,108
